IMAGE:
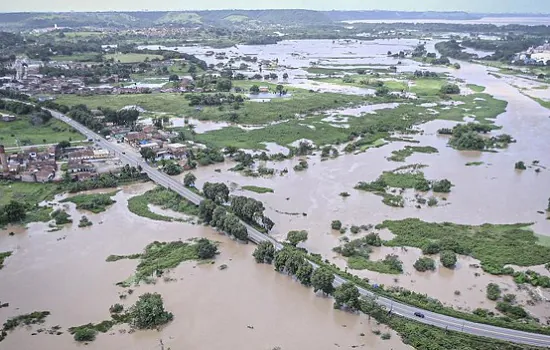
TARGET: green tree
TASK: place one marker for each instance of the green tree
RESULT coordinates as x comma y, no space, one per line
218,217
295,237
224,85
493,291
285,76
148,312
218,192
234,227
12,212
255,89
346,295
304,272
264,252
443,186
336,224
172,169
206,249
382,91
189,180
279,89
85,334
148,154
174,77
206,210
64,144
450,89
424,264
520,165
448,259
322,279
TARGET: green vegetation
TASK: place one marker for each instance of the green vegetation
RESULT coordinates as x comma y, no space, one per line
533,278
37,317
336,225
27,130
346,295
295,237
264,252
512,311
160,256
476,88
493,291
25,192
494,245
520,166
474,163
165,198
148,312
96,203
112,258
322,279
448,259
61,217
258,189
131,57
300,102
468,137
85,222
3,256
389,265
424,264
401,155
404,177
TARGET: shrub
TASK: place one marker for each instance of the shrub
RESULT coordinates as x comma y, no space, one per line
85,334
355,229
424,264
148,312
336,225
520,166
450,89
385,336
448,259
295,237
443,186
493,291
116,309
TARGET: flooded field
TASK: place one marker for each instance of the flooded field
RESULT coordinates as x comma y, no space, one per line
70,263
491,193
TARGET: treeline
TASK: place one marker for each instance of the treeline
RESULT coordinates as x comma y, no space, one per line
216,99
504,50
82,114
453,49
170,55
89,74
128,173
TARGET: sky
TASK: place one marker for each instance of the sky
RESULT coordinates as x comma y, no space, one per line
487,6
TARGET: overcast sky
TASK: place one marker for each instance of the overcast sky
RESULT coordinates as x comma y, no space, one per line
494,6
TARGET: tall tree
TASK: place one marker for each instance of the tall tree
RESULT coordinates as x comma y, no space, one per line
322,279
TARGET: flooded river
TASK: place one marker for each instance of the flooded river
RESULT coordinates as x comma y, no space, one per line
65,272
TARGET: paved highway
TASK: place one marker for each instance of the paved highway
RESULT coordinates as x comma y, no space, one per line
255,236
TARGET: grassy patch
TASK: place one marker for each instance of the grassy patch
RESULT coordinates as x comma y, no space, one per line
37,317
361,263
301,102
131,57
258,189
482,107
38,214
84,57
543,240
96,203
3,256
164,198
160,256
21,129
544,103
474,163
25,192
494,245
476,88
402,154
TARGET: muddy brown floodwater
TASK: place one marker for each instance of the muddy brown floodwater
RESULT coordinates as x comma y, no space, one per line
65,272
491,193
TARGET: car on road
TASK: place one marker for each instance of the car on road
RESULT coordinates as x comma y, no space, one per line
419,314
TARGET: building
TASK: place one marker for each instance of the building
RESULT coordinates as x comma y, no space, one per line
7,117
101,154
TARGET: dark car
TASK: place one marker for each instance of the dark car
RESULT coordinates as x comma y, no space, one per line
419,314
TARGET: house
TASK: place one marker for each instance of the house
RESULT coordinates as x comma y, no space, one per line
101,154
7,118
264,89
80,167
80,155
135,137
